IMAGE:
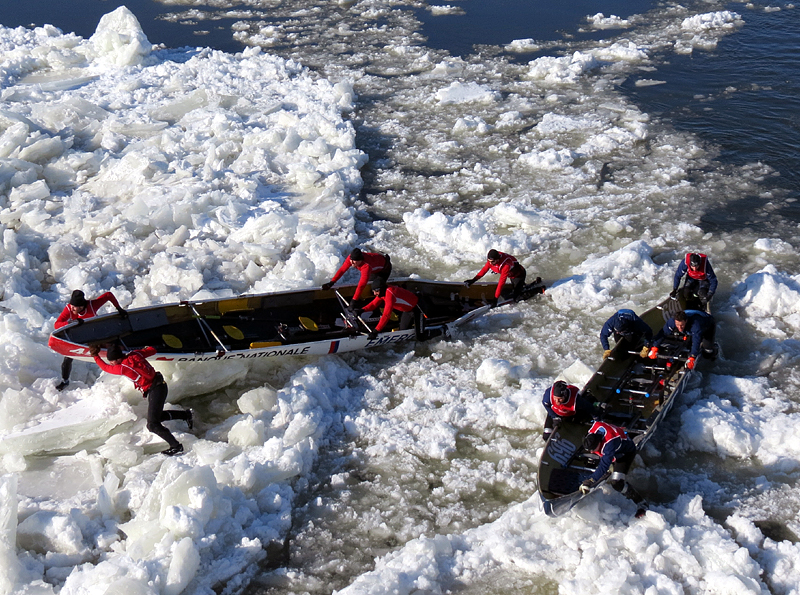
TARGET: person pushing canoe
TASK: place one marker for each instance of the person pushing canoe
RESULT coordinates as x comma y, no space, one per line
374,269
394,298
507,267
77,310
134,365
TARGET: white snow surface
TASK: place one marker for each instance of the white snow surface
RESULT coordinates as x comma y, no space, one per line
164,175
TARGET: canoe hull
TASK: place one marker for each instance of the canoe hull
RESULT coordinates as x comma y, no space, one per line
638,394
294,323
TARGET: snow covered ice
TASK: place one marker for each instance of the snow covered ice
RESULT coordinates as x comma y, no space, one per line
171,174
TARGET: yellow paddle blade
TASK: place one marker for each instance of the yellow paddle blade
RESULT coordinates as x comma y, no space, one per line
233,332
308,324
172,341
257,344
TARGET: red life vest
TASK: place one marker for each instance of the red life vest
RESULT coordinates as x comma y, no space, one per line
611,433
700,274
567,408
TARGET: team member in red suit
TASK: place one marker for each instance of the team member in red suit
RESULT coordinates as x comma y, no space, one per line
79,309
374,268
394,298
507,267
564,401
700,279
135,366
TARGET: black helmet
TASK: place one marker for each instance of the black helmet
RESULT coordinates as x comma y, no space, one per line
560,389
114,352
78,299
592,441
380,287
625,326
356,254
493,255
694,260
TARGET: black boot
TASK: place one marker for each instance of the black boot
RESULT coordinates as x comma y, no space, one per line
173,450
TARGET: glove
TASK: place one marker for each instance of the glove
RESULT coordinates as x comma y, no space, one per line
327,286
357,311
673,294
492,302
372,335
644,352
79,321
653,353
94,350
606,353
469,282
586,486
690,363
122,312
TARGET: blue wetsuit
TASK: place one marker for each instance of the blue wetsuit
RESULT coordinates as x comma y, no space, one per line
700,326
625,324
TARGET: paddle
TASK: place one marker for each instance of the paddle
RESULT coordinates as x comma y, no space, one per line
233,332
307,323
172,341
204,325
347,313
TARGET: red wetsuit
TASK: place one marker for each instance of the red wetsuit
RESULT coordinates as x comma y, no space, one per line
507,267
67,315
396,298
371,265
135,366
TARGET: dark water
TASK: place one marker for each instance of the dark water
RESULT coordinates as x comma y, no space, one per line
502,21
743,97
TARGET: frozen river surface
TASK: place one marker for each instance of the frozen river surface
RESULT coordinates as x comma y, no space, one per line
170,174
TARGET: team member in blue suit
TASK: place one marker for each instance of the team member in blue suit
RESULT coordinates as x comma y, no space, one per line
625,324
699,325
700,279
564,401
613,446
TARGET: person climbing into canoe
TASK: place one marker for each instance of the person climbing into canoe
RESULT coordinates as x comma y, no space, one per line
394,298
507,267
701,326
374,268
134,365
79,309
565,401
701,281
625,324
613,446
